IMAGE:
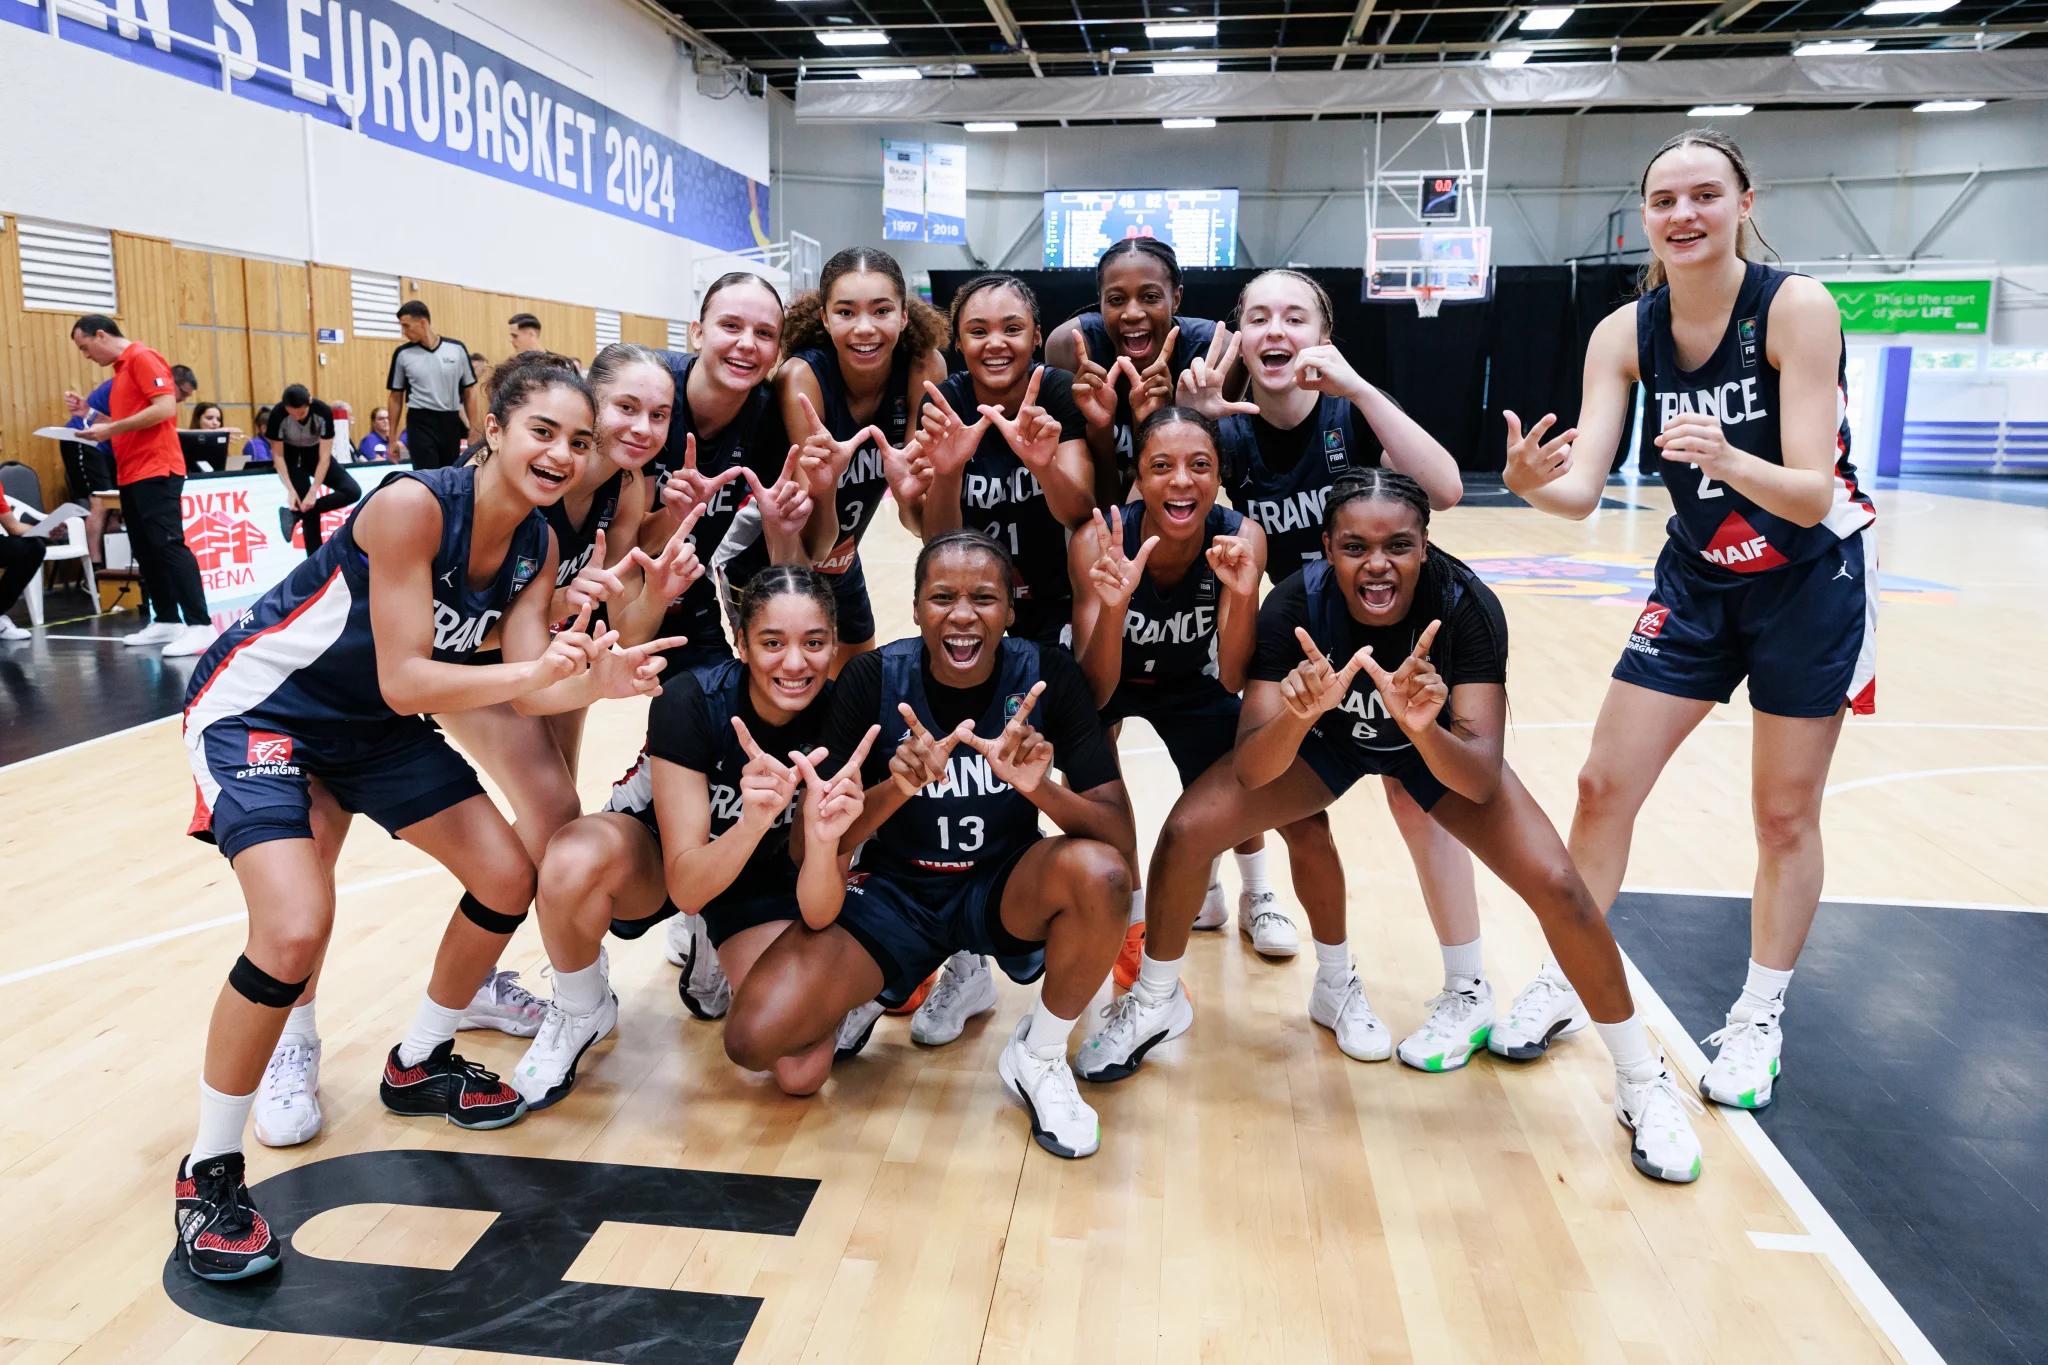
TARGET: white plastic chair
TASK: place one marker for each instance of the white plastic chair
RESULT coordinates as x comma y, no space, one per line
71,547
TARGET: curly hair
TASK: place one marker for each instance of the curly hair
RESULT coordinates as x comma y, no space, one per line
924,327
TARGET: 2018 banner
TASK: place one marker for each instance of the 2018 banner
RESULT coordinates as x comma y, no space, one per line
419,85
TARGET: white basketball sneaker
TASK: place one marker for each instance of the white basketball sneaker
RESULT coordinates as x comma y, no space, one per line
965,988
1546,1010
1215,911
155,635
1272,933
1458,1025
502,1003
287,1108
1743,1073
1061,1121
855,1029
548,1070
1344,1010
702,987
1135,1026
1651,1105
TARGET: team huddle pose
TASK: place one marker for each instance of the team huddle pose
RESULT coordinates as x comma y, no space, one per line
833,827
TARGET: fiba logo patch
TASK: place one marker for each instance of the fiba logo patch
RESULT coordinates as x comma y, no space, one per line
1011,704
1745,333
1651,623
1333,449
266,748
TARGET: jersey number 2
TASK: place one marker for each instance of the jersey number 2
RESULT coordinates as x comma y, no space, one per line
1707,489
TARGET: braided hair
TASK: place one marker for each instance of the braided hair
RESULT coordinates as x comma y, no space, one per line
787,580
982,284
966,542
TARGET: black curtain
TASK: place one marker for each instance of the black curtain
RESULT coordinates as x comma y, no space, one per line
1523,348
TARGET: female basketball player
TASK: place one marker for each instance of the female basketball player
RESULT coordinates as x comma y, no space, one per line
1134,334
858,352
1166,599
1311,417
1433,723
704,820
956,786
310,709
1768,572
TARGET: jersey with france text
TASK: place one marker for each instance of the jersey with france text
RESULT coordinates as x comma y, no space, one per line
574,543
1286,498
305,657
970,816
1739,387
752,437
1194,339
1170,633
1000,496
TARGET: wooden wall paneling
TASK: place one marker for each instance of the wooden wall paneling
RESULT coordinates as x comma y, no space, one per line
643,330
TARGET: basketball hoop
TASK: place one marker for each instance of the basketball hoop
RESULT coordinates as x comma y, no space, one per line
1428,298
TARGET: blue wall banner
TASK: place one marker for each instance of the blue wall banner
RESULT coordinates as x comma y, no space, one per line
421,86
902,191
945,192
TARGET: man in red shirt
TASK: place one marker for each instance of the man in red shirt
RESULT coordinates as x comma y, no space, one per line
149,468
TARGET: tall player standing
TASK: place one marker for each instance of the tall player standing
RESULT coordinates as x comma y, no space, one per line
1768,573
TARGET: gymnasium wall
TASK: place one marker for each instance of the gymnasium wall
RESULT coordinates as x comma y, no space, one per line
247,326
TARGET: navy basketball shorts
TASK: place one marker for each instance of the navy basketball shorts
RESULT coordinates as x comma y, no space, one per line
1340,765
1198,727
1805,635
911,923
252,778
729,912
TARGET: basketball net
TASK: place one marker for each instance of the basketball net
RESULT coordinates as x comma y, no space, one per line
1428,298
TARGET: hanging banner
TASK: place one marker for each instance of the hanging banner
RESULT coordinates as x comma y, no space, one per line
945,192
421,86
902,191
1896,306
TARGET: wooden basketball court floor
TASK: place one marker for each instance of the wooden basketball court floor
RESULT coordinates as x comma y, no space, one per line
1257,1196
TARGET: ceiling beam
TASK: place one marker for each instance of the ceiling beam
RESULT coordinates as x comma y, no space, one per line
999,10
1728,12
1356,28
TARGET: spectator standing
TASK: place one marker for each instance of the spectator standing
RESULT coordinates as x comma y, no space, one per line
432,373
524,329
149,469
301,433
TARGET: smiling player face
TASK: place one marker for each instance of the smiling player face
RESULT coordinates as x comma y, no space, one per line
1693,206
788,650
544,443
963,608
1376,548
864,318
1137,301
1178,478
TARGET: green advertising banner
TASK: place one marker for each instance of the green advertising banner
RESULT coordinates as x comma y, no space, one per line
1894,306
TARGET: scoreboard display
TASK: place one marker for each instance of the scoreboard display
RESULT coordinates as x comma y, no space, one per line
1201,225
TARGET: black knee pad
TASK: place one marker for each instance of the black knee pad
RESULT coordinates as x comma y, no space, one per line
259,987
487,919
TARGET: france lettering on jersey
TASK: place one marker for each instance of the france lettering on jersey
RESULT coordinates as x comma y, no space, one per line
696,614
969,816
1288,503
573,544
1360,721
1739,387
304,656
1170,633
1194,339
1000,496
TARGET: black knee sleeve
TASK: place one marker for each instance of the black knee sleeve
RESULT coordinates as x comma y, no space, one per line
259,987
487,919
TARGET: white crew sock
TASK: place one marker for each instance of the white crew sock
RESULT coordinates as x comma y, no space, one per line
1333,962
301,1024
431,1027
1047,1034
581,992
1137,906
221,1119
1251,872
1764,991
1628,1042
1463,959
1157,980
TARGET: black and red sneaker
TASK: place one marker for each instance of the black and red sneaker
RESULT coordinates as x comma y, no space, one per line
446,1086
219,1230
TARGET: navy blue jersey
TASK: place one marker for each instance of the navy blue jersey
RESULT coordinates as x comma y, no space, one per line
1194,339
304,656
1739,387
1000,496
1281,478
573,543
1170,633
690,725
754,438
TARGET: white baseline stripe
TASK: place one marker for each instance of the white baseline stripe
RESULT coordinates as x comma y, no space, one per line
149,940
1828,1238
1846,900
1783,1241
1914,774
83,744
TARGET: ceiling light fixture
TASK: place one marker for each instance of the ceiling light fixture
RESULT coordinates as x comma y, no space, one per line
1909,7
1201,29
1508,56
1187,123
853,37
1184,68
1719,110
1834,47
1002,127
1948,106
1546,19
890,73
1454,117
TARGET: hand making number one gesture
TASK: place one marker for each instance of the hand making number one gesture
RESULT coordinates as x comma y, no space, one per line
1201,383
767,785
1152,387
1316,684
594,582
786,504
1019,755
1230,559
831,806
823,458
668,575
949,442
1033,433
686,487
1414,693
618,673
920,760
1115,575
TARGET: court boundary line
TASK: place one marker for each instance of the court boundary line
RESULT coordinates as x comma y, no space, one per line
1863,1284
1898,902
85,743
187,930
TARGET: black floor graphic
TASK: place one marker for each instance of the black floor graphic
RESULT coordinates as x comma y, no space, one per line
1914,1096
507,1293
75,681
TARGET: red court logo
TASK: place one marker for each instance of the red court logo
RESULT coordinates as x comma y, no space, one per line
266,749
1651,623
